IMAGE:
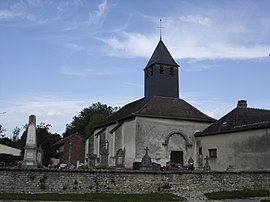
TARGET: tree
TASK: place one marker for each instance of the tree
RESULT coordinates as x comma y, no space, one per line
16,133
2,130
45,140
88,118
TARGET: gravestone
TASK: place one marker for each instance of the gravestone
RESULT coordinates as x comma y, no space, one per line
190,164
30,153
104,153
206,166
92,160
120,158
146,164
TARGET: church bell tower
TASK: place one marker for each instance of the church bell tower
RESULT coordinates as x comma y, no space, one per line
161,74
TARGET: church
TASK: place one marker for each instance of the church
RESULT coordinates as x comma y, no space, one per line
160,121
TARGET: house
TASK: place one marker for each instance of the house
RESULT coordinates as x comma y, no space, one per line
240,140
160,121
8,155
71,150
4,149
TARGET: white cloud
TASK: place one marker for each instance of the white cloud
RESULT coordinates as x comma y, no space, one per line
217,40
129,45
97,15
74,46
212,108
49,109
196,19
89,72
8,14
24,10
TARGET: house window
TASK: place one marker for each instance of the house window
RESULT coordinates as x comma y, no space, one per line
161,69
212,153
151,71
171,71
200,150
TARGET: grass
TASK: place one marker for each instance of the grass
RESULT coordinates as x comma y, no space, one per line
237,194
92,197
265,200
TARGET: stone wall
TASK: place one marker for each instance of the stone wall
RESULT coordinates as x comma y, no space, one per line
40,181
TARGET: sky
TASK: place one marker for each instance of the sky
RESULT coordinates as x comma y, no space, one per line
59,57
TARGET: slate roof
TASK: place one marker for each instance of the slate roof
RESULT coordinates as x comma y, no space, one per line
158,107
239,119
161,55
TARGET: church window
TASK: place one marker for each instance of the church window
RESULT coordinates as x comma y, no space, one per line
161,69
171,71
212,153
200,150
151,71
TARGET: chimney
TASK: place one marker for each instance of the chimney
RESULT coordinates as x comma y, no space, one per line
242,103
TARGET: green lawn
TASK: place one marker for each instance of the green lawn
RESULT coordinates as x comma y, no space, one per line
93,197
237,194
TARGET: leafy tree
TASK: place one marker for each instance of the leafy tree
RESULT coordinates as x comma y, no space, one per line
88,118
16,133
6,141
45,140
2,130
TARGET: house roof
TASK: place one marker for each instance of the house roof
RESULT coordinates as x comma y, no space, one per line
5,149
63,140
161,55
158,107
239,119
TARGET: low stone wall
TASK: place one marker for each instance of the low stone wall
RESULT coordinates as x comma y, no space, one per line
40,181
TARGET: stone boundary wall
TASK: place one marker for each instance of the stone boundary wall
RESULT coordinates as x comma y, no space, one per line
90,181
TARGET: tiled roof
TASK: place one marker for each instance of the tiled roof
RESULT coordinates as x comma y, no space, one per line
158,107
239,119
161,55
124,113
63,140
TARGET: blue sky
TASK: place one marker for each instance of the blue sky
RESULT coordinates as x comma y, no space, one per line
58,57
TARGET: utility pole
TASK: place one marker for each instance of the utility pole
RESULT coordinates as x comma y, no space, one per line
69,152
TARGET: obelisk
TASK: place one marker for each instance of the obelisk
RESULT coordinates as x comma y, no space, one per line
30,152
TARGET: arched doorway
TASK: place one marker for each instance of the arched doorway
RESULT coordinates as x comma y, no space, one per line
176,144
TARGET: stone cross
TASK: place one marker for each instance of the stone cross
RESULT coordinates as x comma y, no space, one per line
146,163
146,150
206,167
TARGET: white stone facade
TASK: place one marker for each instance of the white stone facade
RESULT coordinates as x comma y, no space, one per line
161,136
243,150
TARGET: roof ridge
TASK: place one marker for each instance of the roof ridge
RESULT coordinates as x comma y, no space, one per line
147,101
261,109
252,124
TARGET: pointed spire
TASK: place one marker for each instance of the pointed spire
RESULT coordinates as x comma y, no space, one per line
161,55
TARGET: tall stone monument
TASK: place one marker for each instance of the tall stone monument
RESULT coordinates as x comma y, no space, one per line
30,152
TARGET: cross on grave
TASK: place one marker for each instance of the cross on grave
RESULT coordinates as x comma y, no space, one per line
146,163
146,150
206,159
206,166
